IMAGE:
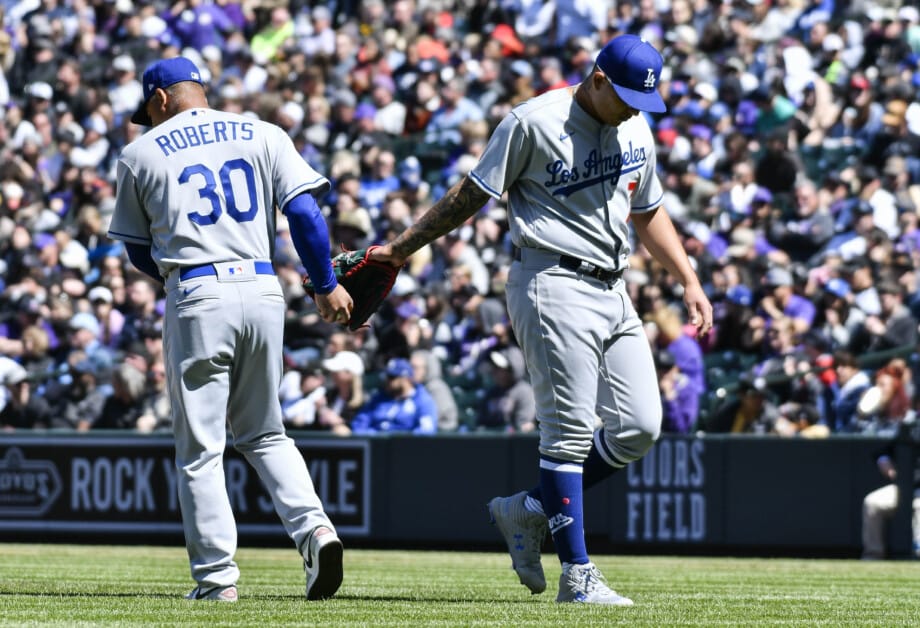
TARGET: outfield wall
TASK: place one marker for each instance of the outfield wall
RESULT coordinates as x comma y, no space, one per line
712,494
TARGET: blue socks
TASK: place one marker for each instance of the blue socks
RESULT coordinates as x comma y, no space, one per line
559,495
560,486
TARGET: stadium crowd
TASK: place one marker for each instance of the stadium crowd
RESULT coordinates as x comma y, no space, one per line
790,153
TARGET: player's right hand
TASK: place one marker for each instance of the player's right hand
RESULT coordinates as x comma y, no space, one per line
336,306
698,308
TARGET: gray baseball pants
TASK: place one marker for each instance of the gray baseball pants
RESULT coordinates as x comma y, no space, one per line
588,358
223,348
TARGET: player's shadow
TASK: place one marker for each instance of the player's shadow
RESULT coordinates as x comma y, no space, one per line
261,598
392,598
76,594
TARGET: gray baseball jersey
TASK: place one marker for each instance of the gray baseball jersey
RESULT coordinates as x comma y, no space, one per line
572,183
201,190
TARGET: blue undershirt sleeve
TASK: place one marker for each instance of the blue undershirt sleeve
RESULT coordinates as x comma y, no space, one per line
140,256
311,240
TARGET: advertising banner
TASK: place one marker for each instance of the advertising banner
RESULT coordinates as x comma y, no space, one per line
128,484
672,495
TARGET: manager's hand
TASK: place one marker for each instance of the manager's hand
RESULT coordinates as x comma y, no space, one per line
336,306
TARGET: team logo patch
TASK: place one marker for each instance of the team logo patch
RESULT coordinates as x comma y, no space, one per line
559,521
650,79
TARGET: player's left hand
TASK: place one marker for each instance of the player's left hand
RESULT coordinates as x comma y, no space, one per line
699,309
384,253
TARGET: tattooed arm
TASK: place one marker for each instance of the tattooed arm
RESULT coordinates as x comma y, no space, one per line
463,200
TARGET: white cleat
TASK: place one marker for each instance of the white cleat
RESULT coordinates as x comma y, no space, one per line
524,532
214,594
322,564
586,585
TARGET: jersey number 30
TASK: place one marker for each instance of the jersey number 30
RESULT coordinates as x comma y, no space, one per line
209,191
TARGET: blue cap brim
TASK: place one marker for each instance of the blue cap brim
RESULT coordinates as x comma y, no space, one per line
141,116
642,101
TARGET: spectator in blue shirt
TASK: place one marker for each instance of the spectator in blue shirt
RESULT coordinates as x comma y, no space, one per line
851,382
444,127
400,405
381,181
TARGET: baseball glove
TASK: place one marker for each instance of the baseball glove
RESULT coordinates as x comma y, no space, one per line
367,281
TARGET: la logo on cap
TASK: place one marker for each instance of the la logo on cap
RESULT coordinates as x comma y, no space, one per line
632,66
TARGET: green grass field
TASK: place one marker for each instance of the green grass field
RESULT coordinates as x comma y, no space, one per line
90,585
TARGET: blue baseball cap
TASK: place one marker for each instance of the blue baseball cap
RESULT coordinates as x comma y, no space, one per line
718,110
364,111
762,195
837,287
161,75
740,295
410,172
701,131
633,67
399,367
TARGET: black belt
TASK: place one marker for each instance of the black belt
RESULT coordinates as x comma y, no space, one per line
591,270
206,270
582,267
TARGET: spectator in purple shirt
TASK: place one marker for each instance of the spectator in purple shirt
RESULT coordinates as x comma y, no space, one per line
781,301
680,403
685,350
198,23
240,14
28,311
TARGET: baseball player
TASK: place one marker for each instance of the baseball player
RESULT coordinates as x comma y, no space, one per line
577,164
196,208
